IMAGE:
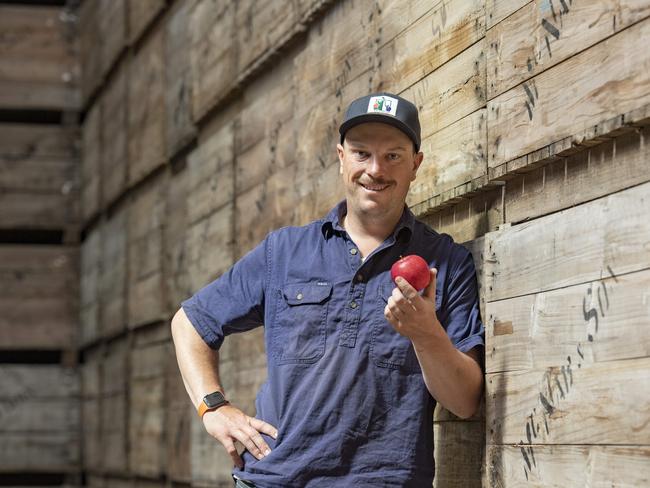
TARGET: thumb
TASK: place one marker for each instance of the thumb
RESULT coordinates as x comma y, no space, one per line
430,291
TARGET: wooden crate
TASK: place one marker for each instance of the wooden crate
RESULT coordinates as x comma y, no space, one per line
148,356
39,285
91,405
112,24
89,296
146,114
32,441
146,298
38,177
89,35
141,13
114,155
179,413
565,350
92,150
38,67
178,80
114,435
113,277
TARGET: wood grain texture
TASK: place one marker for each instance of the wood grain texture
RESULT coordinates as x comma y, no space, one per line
112,25
140,15
543,34
146,114
497,10
542,111
459,453
427,43
566,248
89,299
179,412
112,282
39,296
560,466
90,163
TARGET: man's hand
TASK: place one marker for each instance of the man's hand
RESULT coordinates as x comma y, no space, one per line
228,424
414,315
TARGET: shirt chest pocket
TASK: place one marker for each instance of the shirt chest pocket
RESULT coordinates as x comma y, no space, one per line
388,348
299,329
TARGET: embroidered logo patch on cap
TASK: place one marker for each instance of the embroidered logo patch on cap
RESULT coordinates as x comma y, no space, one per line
383,104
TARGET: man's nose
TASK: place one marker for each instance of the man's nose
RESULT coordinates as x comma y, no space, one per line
374,166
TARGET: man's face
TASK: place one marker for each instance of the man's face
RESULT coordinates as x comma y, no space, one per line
378,163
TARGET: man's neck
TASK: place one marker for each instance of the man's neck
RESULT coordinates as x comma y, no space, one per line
369,229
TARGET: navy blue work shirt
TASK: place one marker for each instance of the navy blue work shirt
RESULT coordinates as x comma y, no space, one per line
344,390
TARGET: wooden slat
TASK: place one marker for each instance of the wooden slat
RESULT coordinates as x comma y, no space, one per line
37,61
146,301
39,286
89,39
89,298
112,282
543,34
112,22
48,452
146,114
451,92
452,156
534,330
179,414
426,44
560,466
395,16
114,154
573,402
497,10
141,13
113,440
567,248
178,77
542,111
459,452
90,163
212,53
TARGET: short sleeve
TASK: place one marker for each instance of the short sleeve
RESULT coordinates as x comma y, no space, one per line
232,303
463,314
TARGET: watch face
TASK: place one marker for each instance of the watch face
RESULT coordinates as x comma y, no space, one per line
214,399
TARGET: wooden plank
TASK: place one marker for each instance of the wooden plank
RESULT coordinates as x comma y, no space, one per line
395,16
112,281
211,173
212,53
91,448
147,409
519,118
112,22
24,141
566,248
317,195
114,436
452,156
146,114
459,453
37,53
543,34
114,154
178,78
532,331
39,286
598,171
48,452
146,301
497,10
141,13
572,402
89,290
438,36
560,466
22,210
179,413
89,40
90,163
452,91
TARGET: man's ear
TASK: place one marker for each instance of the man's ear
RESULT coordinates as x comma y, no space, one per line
417,161
341,153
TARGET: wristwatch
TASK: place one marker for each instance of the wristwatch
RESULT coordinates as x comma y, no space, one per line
211,401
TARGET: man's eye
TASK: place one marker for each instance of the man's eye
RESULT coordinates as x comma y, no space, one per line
360,154
393,157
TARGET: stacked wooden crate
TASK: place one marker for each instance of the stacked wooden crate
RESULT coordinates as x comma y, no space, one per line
39,380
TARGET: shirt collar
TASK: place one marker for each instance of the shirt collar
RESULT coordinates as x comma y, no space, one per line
332,221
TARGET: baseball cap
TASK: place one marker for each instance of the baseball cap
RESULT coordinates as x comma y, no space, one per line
386,108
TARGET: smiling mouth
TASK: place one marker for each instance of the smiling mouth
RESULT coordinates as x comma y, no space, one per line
374,187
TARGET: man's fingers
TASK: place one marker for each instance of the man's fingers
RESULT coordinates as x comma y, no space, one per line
406,289
261,447
430,291
263,427
232,452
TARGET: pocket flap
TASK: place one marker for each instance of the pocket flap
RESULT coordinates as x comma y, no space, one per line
303,293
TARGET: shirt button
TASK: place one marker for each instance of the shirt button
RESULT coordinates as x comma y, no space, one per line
353,304
353,251
299,296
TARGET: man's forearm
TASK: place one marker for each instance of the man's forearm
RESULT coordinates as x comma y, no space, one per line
453,378
198,363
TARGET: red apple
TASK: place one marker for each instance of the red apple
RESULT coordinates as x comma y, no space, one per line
413,269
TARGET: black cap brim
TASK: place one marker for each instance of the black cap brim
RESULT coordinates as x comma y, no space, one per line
384,119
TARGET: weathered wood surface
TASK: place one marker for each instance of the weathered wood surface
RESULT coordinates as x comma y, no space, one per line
140,15
178,80
91,163
543,34
89,298
112,24
89,35
112,282
428,42
459,453
38,176
38,68
179,412
114,154
39,285
146,213
30,439
566,248
542,111
497,10
561,466
114,436
91,404
146,113
535,330
452,91
452,156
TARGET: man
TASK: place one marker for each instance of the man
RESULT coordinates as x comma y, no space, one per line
355,363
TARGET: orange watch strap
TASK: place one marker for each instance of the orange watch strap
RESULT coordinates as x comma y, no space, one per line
203,408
